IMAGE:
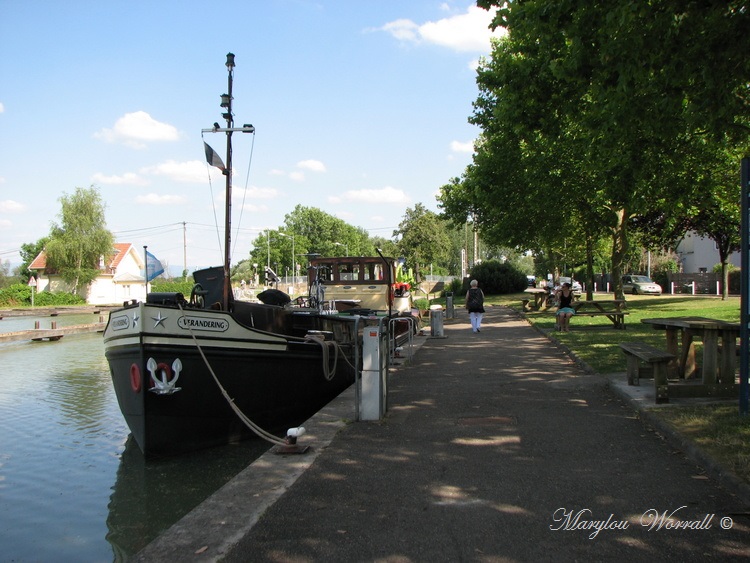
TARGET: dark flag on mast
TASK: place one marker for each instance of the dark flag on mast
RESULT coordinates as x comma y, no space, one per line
213,158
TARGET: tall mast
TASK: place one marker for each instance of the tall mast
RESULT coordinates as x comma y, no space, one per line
226,102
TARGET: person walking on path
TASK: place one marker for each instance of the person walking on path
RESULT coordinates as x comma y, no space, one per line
565,310
475,305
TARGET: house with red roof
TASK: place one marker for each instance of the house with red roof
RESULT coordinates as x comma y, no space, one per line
120,279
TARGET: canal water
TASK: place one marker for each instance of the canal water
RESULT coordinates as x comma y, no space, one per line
73,485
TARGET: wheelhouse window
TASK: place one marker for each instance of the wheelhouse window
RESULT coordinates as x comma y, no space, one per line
348,272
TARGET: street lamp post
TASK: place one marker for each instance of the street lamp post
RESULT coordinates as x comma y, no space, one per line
346,247
294,269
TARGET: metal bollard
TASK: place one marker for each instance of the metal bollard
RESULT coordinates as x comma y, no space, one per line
449,305
436,321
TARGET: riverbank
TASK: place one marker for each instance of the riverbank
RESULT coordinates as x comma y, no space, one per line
56,311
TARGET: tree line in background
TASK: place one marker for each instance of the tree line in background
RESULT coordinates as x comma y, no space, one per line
614,125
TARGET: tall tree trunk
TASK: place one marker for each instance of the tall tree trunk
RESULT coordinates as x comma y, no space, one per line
723,247
589,268
619,251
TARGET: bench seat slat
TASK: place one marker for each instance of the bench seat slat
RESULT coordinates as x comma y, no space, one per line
637,352
646,352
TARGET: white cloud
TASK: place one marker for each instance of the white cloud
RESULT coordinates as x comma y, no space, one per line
129,178
136,129
457,146
403,30
313,165
5,224
255,208
468,32
254,192
190,172
10,206
156,199
2,107
383,195
297,176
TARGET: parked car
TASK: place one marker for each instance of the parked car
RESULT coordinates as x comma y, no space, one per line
575,285
640,285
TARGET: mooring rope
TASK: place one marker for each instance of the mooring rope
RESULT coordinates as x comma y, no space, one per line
249,423
328,373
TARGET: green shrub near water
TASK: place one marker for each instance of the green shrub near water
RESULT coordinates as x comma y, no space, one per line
46,299
167,286
19,295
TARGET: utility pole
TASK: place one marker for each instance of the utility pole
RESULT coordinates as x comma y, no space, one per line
184,249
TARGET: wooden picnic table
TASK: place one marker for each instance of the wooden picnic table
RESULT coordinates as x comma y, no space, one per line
611,308
539,294
680,333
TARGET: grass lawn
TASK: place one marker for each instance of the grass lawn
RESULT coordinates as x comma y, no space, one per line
718,430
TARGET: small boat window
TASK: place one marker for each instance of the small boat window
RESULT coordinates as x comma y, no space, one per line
322,272
373,272
348,272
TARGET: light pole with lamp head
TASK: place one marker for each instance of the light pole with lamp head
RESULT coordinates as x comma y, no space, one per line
346,247
294,269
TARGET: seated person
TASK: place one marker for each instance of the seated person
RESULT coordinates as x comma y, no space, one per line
565,309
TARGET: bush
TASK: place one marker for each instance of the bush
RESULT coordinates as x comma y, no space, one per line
46,299
496,278
19,295
15,295
422,304
167,286
455,286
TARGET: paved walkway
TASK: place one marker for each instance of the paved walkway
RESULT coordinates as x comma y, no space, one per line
496,447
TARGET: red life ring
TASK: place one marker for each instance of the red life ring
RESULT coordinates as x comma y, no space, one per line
135,378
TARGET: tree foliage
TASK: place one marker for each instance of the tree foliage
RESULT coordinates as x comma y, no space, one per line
29,251
602,108
422,239
81,243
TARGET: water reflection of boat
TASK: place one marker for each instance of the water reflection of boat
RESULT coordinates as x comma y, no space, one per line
187,371
149,496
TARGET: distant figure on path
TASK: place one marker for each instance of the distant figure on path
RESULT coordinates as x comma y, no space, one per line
475,305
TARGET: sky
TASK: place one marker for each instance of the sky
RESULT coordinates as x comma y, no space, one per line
360,108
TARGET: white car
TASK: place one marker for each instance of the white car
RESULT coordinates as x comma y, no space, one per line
640,285
575,285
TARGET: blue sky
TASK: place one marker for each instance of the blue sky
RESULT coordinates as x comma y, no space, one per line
360,109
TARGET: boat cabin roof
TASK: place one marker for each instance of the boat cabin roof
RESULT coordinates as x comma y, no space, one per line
351,270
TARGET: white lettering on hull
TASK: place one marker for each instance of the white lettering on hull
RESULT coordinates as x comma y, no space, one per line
203,323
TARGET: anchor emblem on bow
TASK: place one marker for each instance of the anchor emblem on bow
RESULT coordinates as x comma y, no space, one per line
161,376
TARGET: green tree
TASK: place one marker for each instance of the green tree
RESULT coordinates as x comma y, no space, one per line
29,251
718,214
308,230
81,243
422,239
599,100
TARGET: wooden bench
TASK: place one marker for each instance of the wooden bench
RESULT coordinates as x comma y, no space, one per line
637,352
524,303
